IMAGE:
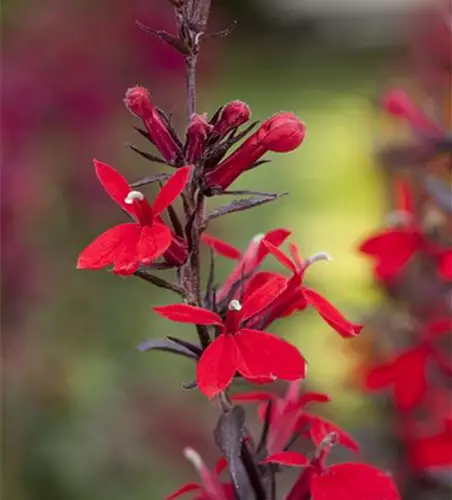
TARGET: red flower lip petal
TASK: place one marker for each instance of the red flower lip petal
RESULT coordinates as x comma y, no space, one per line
288,458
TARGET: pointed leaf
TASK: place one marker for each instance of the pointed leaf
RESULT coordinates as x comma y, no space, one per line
183,313
221,247
288,458
149,180
217,365
239,205
166,345
352,481
172,189
331,315
228,437
115,185
148,156
262,354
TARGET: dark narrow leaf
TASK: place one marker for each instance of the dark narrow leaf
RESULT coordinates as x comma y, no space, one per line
175,42
143,133
228,437
165,345
149,180
244,192
188,386
222,33
253,472
210,290
440,192
148,156
188,345
261,447
444,145
160,282
239,205
177,225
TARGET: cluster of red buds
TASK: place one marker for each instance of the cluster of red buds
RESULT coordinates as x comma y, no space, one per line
413,265
232,318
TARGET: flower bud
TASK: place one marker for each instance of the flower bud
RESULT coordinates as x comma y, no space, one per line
232,115
399,104
139,103
281,133
197,132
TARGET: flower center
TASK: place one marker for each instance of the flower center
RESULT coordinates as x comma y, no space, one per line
132,196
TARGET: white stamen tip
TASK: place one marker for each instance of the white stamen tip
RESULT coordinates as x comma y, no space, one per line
132,196
258,238
234,305
191,455
319,256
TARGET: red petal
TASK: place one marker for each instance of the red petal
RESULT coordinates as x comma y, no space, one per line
404,196
445,266
411,380
289,458
183,489
276,237
252,396
221,465
172,189
114,184
217,365
320,428
262,297
154,241
111,245
331,315
392,249
353,481
432,451
265,355
183,313
313,397
281,256
221,247
380,376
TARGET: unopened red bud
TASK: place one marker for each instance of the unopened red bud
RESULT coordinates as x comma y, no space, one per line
139,103
281,133
232,115
398,103
197,132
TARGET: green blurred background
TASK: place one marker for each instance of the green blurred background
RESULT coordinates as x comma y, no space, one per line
85,416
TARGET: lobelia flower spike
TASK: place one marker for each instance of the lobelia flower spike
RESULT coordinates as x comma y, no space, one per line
212,488
139,103
297,296
281,133
129,245
254,354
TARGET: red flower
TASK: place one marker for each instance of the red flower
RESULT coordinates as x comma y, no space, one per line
138,102
128,245
406,374
252,353
347,481
445,265
249,261
281,133
297,296
212,488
